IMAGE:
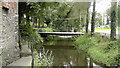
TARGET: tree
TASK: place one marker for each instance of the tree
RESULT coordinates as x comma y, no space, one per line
62,13
119,14
113,21
87,20
28,34
44,11
98,19
21,15
93,19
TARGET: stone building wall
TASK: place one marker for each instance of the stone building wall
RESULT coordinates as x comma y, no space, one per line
9,32
0,35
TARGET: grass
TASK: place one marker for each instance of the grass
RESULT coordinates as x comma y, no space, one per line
105,29
118,28
102,29
100,49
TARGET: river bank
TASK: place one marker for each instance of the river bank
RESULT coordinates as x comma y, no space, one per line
100,49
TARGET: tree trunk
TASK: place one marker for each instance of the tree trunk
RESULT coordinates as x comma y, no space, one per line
113,21
80,15
28,20
107,20
33,21
38,23
32,56
20,18
93,19
87,20
20,46
119,19
91,63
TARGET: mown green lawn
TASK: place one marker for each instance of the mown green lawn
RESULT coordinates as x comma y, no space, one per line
102,29
105,29
118,28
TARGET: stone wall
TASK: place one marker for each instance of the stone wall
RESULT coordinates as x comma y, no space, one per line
0,35
9,32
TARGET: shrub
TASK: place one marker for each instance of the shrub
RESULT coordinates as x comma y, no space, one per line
103,55
84,42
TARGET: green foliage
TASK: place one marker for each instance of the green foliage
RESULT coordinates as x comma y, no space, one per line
98,19
56,14
106,53
99,48
29,34
84,42
35,38
47,29
49,37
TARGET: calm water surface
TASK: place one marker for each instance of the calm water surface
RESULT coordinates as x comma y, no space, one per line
65,54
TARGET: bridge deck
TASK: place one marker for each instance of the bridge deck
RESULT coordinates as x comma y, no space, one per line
62,33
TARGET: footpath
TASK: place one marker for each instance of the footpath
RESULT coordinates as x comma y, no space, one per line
25,60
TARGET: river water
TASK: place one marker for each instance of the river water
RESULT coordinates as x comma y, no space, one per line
65,54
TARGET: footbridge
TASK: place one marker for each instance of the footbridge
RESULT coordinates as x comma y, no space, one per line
61,33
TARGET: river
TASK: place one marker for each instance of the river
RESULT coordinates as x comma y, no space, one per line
65,54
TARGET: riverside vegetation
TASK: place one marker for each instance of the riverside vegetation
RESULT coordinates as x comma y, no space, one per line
100,49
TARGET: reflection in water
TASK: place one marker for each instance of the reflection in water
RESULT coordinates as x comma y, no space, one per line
68,57
64,55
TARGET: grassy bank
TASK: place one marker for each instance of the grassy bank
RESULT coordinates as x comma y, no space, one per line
99,48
